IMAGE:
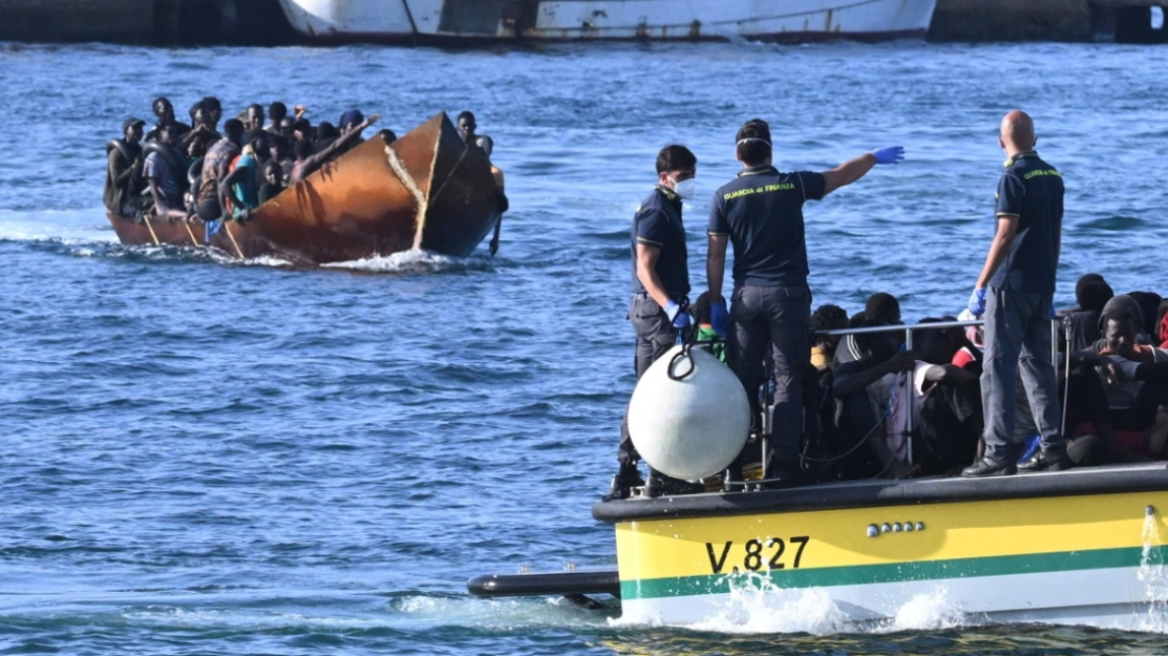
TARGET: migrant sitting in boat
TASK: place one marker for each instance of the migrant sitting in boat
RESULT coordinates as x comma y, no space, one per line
196,180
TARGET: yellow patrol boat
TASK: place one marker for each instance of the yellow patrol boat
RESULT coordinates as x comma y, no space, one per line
1084,547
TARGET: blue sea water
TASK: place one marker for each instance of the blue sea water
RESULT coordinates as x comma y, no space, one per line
202,456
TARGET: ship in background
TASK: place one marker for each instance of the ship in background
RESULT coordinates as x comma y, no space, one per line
469,21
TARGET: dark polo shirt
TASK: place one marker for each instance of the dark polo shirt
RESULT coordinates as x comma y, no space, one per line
658,223
1032,191
762,213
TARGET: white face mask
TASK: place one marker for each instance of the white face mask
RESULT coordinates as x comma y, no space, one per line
686,188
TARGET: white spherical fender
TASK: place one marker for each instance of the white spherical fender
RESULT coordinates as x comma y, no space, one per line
693,427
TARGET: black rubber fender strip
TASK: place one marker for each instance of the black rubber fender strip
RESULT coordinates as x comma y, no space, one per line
567,584
1119,479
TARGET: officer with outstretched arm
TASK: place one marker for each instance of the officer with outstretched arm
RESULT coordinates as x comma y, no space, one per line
761,215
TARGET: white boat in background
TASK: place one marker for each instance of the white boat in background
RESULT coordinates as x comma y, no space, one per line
454,21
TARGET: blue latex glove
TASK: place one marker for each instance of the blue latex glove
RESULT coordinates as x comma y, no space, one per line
890,155
977,302
719,318
673,311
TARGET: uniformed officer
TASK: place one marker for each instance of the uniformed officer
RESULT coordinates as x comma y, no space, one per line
660,283
1015,291
761,214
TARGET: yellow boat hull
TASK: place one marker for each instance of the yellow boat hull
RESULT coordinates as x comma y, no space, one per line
1088,558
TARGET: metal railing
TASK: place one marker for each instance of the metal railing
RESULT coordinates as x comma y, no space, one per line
909,329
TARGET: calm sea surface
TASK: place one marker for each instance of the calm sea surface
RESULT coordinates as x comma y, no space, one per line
206,457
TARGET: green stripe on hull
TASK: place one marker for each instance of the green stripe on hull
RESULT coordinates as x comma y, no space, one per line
826,577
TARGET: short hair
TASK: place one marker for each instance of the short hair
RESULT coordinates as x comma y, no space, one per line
257,139
278,141
675,158
233,129
1093,295
326,130
882,306
754,142
211,103
865,341
1148,302
829,317
1086,279
856,319
195,109
466,115
162,99
277,108
302,125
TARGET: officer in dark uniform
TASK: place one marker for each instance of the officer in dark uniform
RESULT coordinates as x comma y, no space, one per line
761,215
660,287
1015,291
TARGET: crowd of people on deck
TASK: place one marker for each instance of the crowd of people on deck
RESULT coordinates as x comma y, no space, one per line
975,400
181,172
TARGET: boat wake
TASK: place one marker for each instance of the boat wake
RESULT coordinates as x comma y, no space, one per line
504,614
1154,576
413,261
756,606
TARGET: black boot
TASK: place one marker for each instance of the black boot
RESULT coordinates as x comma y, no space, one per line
1052,459
661,485
990,467
623,483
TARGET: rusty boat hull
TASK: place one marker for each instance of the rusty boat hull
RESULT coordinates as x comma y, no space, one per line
426,191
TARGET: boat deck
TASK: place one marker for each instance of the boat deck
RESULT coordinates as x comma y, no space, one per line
1108,479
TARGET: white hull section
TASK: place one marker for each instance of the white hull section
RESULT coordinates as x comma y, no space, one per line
1134,599
795,20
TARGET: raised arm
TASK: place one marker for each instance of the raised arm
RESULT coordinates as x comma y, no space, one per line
848,385
850,171
313,162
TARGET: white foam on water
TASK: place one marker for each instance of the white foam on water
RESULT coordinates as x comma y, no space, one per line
494,614
68,226
1154,577
410,261
928,612
755,605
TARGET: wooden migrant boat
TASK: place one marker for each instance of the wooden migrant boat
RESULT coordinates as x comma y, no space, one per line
426,190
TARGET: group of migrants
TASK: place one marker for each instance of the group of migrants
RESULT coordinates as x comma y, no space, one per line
971,400
181,172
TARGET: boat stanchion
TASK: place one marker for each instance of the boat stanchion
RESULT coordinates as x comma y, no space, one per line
190,232
146,220
227,229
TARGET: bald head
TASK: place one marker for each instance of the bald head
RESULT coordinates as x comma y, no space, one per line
1018,133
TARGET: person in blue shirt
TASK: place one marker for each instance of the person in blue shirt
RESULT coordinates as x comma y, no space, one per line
660,286
760,214
240,185
1015,292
